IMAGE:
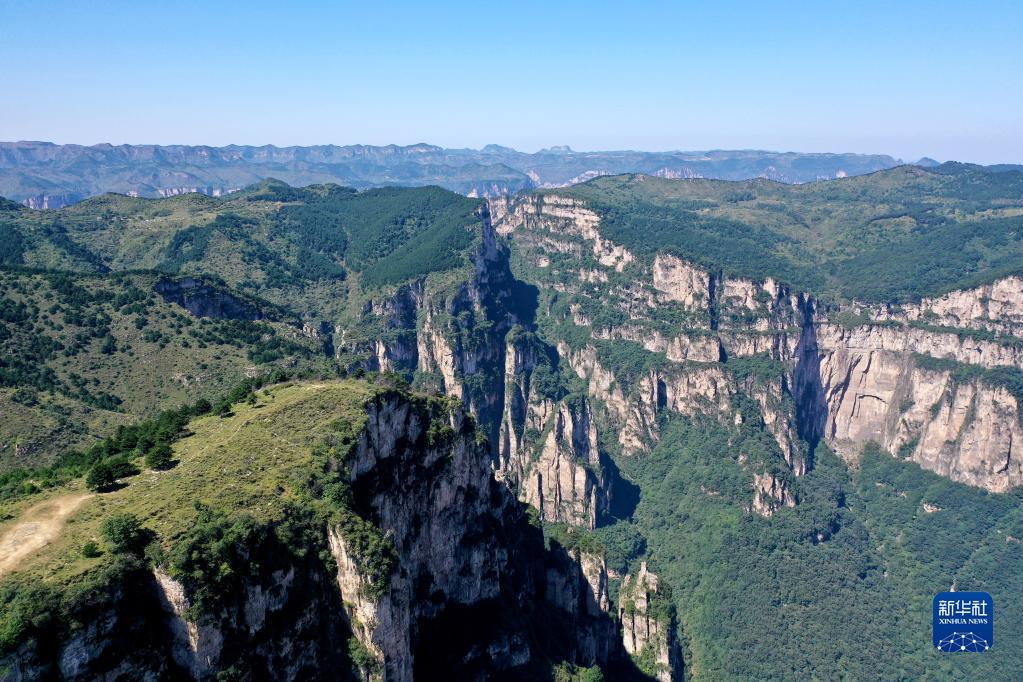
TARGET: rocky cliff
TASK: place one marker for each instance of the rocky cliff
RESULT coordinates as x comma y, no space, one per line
474,340
429,569
944,400
931,381
648,625
686,324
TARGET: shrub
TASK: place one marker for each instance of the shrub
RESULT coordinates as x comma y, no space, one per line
101,477
160,456
125,534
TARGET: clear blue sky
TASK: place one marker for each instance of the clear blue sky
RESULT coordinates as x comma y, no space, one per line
903,77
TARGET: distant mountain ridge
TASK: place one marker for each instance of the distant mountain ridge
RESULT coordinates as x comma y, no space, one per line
47,175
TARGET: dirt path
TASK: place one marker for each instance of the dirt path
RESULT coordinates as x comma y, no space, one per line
35,529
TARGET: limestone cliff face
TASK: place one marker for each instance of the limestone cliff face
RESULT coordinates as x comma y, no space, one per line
563,479
463,548
649,629
629,416
282,620
205,300
52,201
770,494
452,332
900,339
462,336
965,428
577,585
561,214
847,375
995,307
439,509
548,448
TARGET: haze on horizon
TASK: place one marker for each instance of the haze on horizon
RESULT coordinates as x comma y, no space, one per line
908,79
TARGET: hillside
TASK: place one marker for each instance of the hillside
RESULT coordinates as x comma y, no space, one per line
83,354
118,307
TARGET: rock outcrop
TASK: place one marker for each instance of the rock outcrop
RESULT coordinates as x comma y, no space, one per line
474,341
202,299
454,528
563,478
960,424
649,628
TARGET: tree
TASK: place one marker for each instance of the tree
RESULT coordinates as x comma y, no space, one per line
101,476
125,534
109,346
160,456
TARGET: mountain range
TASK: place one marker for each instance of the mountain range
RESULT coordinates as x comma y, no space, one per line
46,175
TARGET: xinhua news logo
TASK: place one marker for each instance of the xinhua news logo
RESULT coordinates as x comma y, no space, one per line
964,622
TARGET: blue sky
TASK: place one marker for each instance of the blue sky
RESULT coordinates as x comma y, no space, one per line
902,77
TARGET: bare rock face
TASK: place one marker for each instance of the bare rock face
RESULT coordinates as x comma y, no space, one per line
848,382
564,481
770,493
963,429
436,554
628,415
680,281
565,215
465,554
577,585
548,448
649,628
922,381
995,307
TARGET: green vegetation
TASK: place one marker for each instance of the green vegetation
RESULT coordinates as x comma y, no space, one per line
566,672
292,246
239,491
573,539
82,354
759,368
88,341
124,534
890,236
851,570
245,475
217,554
113,457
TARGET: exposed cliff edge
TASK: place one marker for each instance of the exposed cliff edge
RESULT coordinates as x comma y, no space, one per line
424,566
933,381
203,299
